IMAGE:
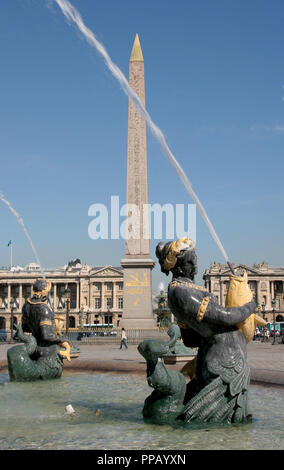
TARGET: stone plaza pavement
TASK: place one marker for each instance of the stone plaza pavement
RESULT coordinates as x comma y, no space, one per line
265,360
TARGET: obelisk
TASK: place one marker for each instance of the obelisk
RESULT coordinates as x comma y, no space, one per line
137,262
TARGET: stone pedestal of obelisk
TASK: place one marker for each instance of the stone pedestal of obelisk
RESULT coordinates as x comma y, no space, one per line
137,262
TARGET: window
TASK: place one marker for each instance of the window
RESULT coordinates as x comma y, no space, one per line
120,285
97,303
278,287
109,286
97,286
120,302
109,302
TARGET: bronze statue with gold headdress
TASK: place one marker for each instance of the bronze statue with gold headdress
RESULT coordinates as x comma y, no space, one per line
41,356
218,389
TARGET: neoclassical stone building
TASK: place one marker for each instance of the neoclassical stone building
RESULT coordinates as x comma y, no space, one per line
96,293
266,283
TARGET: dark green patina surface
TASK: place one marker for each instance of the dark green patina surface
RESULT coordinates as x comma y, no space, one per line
166,401
23,367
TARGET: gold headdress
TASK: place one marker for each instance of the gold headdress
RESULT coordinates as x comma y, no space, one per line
42,292
175,248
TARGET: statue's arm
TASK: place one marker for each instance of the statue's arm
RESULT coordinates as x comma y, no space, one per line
47,326
215,313
199,305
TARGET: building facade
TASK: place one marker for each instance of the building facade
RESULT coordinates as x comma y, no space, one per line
266,283
96,293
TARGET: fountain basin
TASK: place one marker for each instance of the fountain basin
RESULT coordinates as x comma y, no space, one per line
34,417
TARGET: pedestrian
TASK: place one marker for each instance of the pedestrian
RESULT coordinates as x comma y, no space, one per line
256,334
123,338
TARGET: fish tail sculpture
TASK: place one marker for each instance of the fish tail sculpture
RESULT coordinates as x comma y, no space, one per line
238,295
166,401
24,367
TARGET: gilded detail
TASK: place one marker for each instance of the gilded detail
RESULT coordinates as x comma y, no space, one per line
174,249
45,302
182,325
187,284
46,323
43,292
202,309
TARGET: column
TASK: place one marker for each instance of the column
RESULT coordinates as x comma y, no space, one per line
272,292
54,296
90,295
113,296
20,296
78,296
103,298
90,307
258,294
9,296
221,292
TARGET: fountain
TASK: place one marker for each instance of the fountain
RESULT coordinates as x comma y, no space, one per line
82,411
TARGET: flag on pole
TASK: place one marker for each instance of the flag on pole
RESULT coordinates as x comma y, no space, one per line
11,254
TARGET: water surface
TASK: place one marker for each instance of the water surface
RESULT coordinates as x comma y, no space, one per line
33,416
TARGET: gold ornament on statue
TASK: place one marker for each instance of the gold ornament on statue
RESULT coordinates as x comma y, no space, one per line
238,295
175,248
59,322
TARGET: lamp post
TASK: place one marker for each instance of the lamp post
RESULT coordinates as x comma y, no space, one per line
274,325
12,306
259,312
87,310
67,296
263,307
81,318
108,315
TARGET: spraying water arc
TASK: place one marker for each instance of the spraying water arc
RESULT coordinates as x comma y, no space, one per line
72,15
21,222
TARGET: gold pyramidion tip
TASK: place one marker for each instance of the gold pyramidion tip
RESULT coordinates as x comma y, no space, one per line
136,54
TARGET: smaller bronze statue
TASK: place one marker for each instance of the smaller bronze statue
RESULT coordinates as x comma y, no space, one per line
178,349
40,357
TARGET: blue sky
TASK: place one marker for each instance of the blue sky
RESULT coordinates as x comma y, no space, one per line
215,86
